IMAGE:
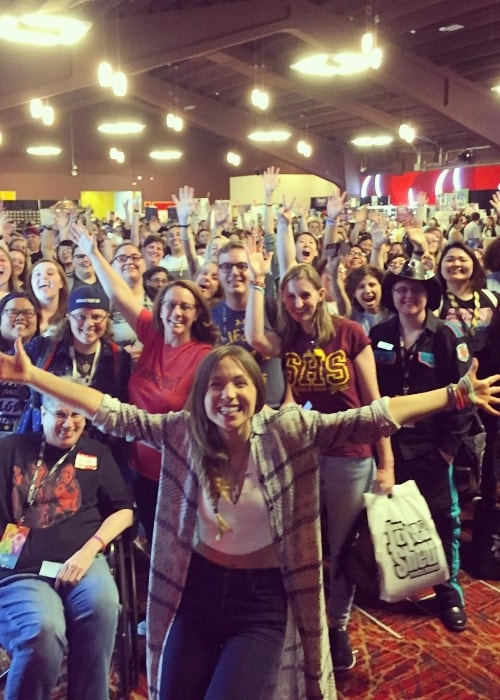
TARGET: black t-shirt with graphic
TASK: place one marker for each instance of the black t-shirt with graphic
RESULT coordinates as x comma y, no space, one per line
70,504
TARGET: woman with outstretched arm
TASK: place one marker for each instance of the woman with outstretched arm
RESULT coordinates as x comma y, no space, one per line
212,550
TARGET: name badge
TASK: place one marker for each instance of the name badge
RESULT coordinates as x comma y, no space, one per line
11,544
83,461
385,346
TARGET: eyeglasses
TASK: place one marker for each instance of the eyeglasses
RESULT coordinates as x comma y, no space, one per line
89,318
357,254
183,306
414,291
14,313
227,267
135,257
80,256
63,416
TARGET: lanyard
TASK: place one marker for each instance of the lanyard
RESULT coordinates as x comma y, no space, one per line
407,357
34,487
86,377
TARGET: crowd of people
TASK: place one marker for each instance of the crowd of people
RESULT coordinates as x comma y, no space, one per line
229,378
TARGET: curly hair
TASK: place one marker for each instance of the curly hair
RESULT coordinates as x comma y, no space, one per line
203,329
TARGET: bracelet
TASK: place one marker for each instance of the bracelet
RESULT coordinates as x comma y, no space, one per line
329,220
100,540
269,205
257,287
183,225
466,396
452,398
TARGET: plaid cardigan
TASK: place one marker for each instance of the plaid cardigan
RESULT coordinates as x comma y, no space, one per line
286,445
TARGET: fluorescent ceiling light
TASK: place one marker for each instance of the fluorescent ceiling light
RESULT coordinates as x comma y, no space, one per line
451,28
365,141
496,88
43,150
165,155
269,136
121,128
327,65
42,29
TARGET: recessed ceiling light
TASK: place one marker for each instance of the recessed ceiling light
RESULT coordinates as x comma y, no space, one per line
121,128
496,88
166,155
365,141
451,28
42,29
43,150
269,136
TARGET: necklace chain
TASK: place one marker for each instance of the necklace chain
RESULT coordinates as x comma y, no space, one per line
475,316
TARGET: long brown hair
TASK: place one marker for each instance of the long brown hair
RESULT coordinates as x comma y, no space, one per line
209,453
324,324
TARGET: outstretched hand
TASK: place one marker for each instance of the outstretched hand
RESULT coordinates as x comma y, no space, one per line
481,392
16,368
83,239
184,203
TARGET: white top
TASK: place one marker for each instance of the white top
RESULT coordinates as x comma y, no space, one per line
178,268
248,518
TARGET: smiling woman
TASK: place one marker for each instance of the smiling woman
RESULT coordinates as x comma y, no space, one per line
47,283
239,490
176,334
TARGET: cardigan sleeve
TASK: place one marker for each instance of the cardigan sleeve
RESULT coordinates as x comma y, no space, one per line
127,421
359,425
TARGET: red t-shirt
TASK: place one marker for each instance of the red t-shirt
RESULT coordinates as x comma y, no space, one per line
160,382
326,376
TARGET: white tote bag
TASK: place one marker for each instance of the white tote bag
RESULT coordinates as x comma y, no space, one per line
408,549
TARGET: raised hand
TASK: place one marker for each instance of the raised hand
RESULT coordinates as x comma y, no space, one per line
335,203
16,368
271,177
422,199
221,212
361,215
285,212
83,239
259,261
184,203
416,236
495,202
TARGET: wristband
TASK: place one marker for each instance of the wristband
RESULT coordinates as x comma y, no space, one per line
183,225
269,205
329,220
100,540
257,287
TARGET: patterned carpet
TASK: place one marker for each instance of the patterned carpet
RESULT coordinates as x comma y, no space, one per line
403,650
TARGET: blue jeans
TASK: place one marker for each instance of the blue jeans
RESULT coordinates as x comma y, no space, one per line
344,480
227,637
38,625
